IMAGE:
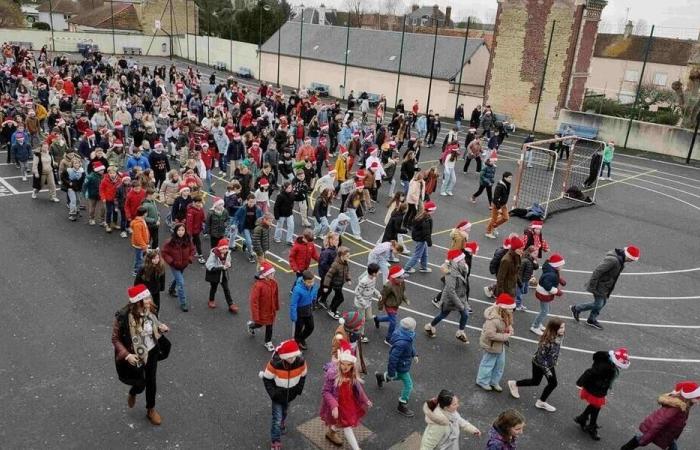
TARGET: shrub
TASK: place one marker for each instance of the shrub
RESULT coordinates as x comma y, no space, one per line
41,26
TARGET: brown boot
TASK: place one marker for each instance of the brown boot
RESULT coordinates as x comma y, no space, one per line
334,437
131,401
153,416
233,309
212,304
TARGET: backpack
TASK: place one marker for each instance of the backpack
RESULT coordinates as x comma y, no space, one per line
496,260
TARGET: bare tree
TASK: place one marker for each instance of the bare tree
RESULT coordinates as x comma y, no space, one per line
10,15
356,10
641,28
390,7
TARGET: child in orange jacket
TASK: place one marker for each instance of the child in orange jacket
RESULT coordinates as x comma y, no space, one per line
140,237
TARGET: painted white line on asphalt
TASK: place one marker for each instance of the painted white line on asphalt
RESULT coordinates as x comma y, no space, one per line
663,194
8,186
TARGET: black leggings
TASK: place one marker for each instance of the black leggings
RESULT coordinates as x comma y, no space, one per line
224,285
468,161
303,328
537,374
153,231
489,192
268,331
197,243
592,412
337,297
149,384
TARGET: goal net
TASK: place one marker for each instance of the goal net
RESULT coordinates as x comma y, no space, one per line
547,177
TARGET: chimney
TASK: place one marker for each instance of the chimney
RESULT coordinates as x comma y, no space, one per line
448,16
322,14
414,7
628,29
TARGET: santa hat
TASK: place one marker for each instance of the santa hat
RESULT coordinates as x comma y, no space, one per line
516,243
118,125
430,206
632,252
687,389
118,143
556,260
505,301
218,201
373,151
126,178
359,184
89,133
455,255
266,269
493,156
307,140
620,357
345,352
157,144
288,349
356,134
343,150
536,224
472,247
223,242
324,127
374,166
98,166
256,143
506,243
183,187
392,144
464,225
204,145
361,174
322,140
352,320
396,271
138,293
264,182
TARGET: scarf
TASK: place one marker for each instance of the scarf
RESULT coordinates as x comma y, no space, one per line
138,337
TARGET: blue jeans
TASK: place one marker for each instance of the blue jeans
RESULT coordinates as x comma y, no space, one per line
391,318
603,166
354,222
407,381
322,227
673,445
595,307
208,180
449,180
111,213
544,311
519,292
419,254
138,259
491,368
223,162
279,416
404,186
458,124
123,222
248,241
463,317
383,266
290,228
179,282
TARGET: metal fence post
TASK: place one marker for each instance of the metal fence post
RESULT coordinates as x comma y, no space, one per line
544,74
432,67
461,68
639,86
398,75
347,49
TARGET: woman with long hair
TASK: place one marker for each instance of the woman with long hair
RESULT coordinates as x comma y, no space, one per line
414,197
505,430
543,363
497,330
178,253
444,423
152,274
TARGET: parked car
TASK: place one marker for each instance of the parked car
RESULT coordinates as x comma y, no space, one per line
243,72
373,98
320,89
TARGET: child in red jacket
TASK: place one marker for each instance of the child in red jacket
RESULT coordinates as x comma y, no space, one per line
194,223
665,425
302,252
264,303
134,198
108,195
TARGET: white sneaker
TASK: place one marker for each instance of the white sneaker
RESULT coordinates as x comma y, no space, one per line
490,235
426,270
488,292
450,194
537,331
544,405
33,194
24,178
123,234
269,347
542,327
91,222
55,200
513,389
443,194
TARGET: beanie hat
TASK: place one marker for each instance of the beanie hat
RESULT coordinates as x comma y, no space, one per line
288,349
455,256
138,293
536,224
687,389
505,301
430,206
516,243
632,252
620,357
556,260
345,352
352,320
98,166
408,323
218,201
472,247
396,271
266,269
223,242
464,225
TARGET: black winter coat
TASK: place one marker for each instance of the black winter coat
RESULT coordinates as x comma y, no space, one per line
284,205
598,379
422,230
394,227
501,194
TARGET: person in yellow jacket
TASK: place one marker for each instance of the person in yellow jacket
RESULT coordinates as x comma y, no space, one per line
140,237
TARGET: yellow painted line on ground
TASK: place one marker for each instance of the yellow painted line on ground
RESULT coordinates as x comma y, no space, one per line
354,241
622,180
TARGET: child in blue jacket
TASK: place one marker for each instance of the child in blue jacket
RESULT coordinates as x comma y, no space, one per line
401,355
300,307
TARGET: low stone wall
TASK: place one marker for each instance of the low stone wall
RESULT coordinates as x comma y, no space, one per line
650,137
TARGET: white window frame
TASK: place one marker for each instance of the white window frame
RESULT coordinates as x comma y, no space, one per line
657,78
631,75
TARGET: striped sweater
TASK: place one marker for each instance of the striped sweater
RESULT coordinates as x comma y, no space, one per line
284,380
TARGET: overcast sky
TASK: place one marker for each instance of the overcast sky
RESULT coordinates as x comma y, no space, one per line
678,18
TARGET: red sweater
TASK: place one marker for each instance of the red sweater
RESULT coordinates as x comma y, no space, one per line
132,203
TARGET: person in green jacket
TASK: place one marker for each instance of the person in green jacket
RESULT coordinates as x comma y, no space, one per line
217,222
152,216
608,153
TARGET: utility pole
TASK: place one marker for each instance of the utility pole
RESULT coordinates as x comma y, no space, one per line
53,40
114,42
347,50
695,135
172,28
432,66
301,40
398,76
639,85
544,73
461,68
279,52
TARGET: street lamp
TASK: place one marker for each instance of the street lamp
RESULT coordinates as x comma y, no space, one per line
262,7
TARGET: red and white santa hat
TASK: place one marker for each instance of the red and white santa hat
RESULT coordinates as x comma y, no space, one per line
620,357
516,243
536,224
392,144
373,151
455,256
396,271
632,252
118,125
343,150
687,389
324,127
184,187
430,206
345,352
359,184
505,301
493,156
464,225
204,145
556,260
374,166
266,269
89,133
217,201
361,174
288,349
356,134
98,166
223,243
472,247
118,143
506,243
157,144
138,293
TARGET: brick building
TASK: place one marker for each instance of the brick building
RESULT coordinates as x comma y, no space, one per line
520,44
